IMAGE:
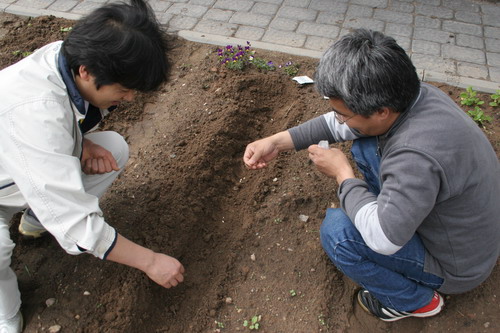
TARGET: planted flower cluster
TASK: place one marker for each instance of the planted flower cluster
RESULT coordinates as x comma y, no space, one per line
239,57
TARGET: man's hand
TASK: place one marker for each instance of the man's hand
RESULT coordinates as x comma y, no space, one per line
96,159
331,162
165,270
260,152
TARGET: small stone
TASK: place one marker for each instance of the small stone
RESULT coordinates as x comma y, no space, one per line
275,179
54,328
229,300
486,324
86,293
50,301
77,317
303,217
252,257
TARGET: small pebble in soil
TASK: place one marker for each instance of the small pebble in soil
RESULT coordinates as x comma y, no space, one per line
54,328
86,293
50,301
229,300
252,257
303,217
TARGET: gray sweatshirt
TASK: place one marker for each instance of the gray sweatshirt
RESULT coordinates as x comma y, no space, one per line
439,177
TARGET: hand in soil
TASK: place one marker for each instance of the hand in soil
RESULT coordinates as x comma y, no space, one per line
165,270
259,152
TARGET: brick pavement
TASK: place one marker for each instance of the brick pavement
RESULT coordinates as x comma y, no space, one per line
453,41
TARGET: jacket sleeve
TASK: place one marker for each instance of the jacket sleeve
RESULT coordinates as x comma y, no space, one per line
38,140
324,127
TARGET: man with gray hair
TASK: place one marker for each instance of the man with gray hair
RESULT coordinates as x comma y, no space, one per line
423,220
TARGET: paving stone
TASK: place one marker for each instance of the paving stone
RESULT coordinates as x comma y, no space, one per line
433,63
493,59
472,70
335,6
218,15
468,17
164,18
427,22
216,28
429,2
318,43
434,11
39,4
265,8
492,32
187,10
373,3
426,47
181,22
491,9
433,35
402,7
297,3
320,30
276,2
236,5
250,19
492,44
284,38
207,3
394,29
330,18
86,7
494,74
463,54
280,23
364,23
491,19
469,41
249,33
4,2
464,28
464,5
394,17
159,5
63,5
296,13
355,11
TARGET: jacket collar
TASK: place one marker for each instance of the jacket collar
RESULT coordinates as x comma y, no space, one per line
69,81
402,117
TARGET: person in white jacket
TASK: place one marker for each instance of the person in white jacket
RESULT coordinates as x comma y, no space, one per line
53,163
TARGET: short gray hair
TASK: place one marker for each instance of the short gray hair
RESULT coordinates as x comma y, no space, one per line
367,71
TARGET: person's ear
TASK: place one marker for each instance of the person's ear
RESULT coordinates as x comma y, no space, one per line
384,113
83,73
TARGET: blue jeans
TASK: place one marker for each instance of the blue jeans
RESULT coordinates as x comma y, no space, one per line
398,281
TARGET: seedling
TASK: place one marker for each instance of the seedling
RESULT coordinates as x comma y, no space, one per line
24,54
293,293
495,99
469,97
254,323
66,29
219,324
478,115
290,68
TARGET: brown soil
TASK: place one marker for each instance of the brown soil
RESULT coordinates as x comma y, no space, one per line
185,192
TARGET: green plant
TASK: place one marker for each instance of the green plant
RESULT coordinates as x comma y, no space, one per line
290,68
66,29
235,58
254,323
219,324
293,293
24,54
263,64
478,115
469,97
495,99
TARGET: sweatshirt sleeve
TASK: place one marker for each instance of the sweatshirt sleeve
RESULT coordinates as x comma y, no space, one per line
38,138
324,127
411,182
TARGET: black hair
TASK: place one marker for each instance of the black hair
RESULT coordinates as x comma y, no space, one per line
368,71
120,43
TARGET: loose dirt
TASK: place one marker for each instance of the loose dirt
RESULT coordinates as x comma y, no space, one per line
249,240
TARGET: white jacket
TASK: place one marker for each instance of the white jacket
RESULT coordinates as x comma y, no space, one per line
40,148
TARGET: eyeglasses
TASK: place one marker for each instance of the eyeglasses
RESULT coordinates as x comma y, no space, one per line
341,118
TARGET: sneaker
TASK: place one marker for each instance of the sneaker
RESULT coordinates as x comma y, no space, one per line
12,325
30,227
371,305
